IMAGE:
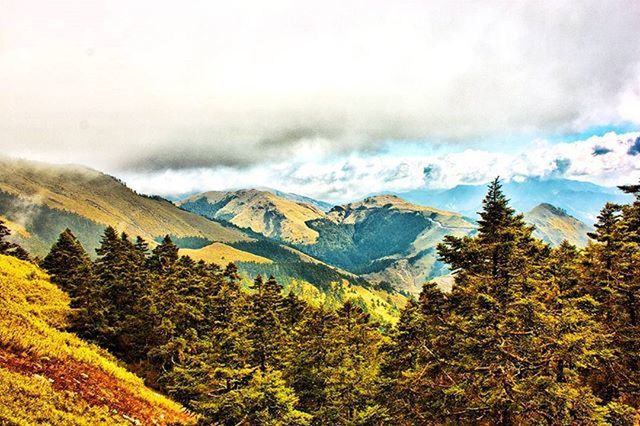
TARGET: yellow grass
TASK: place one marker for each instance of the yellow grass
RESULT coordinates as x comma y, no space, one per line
31,311
222,254
103,199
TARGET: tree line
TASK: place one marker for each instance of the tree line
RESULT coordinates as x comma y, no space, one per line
529,334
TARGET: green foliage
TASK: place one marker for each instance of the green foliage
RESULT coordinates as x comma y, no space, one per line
357,248
513,343
528,334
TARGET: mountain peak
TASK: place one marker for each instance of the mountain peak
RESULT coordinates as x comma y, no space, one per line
553,225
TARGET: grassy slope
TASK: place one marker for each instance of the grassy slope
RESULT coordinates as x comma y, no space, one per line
222,254
101,199
553,225
51,377
260,211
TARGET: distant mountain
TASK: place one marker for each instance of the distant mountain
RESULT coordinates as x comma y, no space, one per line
581,200
386,239
44,199
260,211
322,205
553,225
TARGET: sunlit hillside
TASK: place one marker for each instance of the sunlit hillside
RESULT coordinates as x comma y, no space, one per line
46,198
553,225
222,254
50,377
260,211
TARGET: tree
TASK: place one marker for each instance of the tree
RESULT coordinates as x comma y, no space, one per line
266,331
163,256
69,266
9,248
502,347
611,268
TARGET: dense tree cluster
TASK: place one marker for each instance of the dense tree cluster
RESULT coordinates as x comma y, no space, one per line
529,334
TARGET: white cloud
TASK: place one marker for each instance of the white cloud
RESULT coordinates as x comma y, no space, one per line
154,85
359,175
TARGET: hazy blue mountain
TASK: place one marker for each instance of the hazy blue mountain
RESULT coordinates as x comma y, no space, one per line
582,200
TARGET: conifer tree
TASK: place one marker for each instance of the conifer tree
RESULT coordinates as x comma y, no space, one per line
69,266
495,349
9,248
164,255
611,269
266,331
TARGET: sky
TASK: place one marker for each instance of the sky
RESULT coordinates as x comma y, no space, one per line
332,99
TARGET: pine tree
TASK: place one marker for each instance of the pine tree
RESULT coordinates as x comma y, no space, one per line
69,266
611,269
266,331
164,255
499,348
9,248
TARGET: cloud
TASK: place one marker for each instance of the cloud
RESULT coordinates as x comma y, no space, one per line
358,175
156,86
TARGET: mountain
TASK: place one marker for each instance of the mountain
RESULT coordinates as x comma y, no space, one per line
45,199
38,201
260,211
582,200
386,239
553,225
322,205
51,377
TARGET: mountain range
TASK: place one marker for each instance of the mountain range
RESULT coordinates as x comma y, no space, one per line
582,200
369,249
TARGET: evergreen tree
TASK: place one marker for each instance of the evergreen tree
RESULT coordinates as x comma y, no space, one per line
69,266
611,269
9,248
494,349
267,333
164,256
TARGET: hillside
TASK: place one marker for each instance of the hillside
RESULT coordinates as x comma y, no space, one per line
51,377
222,254
45,199
387,239
554,225
260,211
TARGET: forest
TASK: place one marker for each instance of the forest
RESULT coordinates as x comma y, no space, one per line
529,333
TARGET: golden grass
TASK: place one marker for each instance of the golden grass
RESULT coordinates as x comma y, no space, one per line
222,254
105,200
31,311
267,214
31,400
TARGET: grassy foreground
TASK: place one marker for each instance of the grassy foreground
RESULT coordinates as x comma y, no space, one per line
48,376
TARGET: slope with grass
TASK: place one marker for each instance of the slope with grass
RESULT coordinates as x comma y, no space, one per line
553,225
386,239
45,199
48,376
222,254
260,211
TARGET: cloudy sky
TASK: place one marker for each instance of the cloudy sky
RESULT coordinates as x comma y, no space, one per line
332,99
